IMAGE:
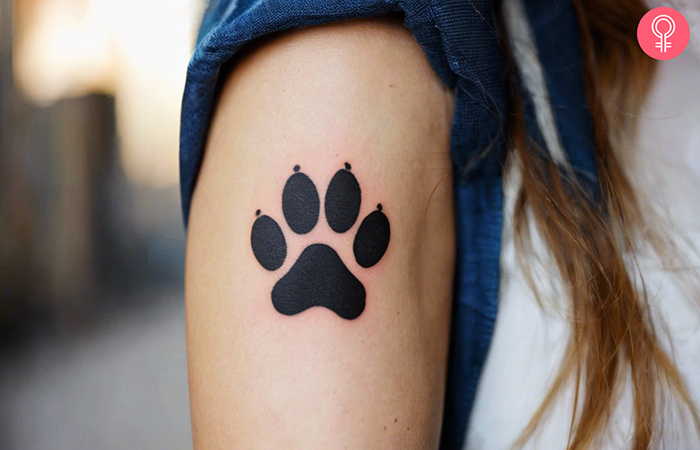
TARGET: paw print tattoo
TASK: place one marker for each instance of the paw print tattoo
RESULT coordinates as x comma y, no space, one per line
319,277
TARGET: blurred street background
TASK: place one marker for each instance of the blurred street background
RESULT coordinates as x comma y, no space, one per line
92,344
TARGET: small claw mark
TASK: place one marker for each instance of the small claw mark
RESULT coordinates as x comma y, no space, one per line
257,213
347,166
296,168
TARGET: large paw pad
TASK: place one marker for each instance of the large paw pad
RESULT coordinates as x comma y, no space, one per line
319,277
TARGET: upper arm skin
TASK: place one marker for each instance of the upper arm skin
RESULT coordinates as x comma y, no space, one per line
360,92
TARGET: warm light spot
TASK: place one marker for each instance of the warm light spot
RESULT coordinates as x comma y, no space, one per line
136,50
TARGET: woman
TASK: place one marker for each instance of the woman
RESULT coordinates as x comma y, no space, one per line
348,227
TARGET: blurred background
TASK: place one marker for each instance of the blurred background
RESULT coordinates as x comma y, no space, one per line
92,345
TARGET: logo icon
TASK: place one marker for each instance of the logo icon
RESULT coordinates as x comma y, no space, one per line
663,33
664,43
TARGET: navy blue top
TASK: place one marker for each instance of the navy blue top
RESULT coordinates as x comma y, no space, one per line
460,39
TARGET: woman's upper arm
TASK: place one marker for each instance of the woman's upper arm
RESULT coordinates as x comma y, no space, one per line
313,323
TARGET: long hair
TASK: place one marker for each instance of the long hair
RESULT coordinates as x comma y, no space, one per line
591,237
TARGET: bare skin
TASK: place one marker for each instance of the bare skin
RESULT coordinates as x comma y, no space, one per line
360,92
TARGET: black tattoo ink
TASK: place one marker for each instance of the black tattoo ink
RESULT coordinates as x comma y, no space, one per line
319,277
343,199
372,238
268,242
332,285
300,203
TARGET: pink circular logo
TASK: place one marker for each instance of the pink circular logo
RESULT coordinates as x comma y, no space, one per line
663,33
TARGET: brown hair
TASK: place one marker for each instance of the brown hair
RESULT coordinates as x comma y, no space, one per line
612,338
